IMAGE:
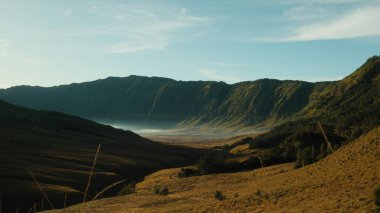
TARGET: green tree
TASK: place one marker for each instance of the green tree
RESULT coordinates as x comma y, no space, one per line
306,156
299,159
314,154
322,151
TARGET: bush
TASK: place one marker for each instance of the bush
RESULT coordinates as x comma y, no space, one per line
188,172
298,163
253,144
226,148
258,192
163,191
212,164
377,197
129,188
219,196
306,156
156,190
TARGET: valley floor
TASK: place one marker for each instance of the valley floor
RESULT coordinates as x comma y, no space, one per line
342,182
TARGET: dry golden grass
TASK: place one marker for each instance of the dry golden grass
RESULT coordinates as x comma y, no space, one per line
342,182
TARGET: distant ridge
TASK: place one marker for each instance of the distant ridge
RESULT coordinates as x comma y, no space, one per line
152,100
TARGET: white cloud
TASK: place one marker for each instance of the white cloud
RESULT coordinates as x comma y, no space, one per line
362,22
148,29
4,45
306,12
218,76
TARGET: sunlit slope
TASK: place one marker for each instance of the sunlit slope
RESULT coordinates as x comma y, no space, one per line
342,182
59,150
353,101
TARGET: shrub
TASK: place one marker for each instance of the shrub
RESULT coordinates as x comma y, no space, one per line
322,151
298,163
219,196
129,188
226,148
377,197
156,190
212,164
306,156
253,144
164,191
188,172
258,192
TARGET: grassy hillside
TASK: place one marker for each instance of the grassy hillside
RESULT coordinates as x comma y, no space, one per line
264,102
352,103
343,182
162,101
59,150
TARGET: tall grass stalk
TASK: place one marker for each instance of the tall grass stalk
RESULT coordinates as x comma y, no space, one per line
91,174
325,136
102,192
42,203
261,162
42,191
108,188
64,203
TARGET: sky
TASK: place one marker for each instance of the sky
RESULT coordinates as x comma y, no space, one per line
54,42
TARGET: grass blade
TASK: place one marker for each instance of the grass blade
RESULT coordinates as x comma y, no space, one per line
42,191
108,188
64,203
91,174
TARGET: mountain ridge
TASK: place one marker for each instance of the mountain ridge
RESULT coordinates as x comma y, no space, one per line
157,100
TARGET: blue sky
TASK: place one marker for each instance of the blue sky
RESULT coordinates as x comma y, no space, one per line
52,42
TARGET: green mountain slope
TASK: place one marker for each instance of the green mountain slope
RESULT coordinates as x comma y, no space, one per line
265,102
351,103
59,150
159,100
346,109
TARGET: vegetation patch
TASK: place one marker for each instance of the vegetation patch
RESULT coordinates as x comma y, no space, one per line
188,172
128,188
377,198
219,196
161,191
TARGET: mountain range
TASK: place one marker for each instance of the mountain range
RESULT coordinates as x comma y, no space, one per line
156,100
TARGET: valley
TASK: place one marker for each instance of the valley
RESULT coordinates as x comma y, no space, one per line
117,106
342,182
261,146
